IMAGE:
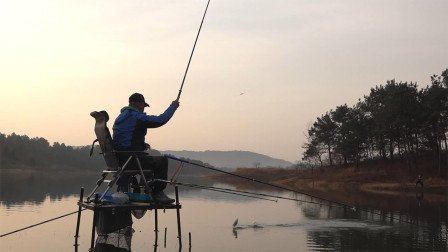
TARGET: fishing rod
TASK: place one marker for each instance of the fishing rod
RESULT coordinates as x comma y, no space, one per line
227,190
242,193
40,223
192,51
217,189
258,181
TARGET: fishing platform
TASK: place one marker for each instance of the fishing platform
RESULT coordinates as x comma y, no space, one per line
113,212
103,210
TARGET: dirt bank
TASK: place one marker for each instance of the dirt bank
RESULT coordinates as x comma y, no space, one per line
367,187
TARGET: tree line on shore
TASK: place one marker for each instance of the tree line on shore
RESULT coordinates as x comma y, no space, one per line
37,154
395,121
18,152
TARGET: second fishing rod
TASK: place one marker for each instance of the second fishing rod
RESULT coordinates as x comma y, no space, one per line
257,181
338,204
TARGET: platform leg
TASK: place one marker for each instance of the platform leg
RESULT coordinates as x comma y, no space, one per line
156,229
79,219
189,241
164,240
179,232
92,241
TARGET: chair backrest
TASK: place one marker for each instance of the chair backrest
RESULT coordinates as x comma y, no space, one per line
105,139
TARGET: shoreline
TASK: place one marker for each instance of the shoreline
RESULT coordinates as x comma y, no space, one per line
342,185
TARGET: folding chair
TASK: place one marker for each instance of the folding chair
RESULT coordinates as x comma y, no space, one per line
104,139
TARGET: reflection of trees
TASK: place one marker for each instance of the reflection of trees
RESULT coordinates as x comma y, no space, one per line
409,228
396,239
19,187
36,186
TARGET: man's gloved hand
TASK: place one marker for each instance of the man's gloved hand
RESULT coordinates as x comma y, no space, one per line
175,103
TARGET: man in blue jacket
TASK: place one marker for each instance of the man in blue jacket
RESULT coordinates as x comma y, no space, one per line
129,133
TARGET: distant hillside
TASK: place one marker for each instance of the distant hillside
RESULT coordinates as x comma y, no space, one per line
232,159
21,152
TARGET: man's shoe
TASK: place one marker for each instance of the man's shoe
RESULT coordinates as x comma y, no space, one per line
160,197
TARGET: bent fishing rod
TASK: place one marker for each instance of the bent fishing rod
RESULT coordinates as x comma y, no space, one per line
256,180
192,51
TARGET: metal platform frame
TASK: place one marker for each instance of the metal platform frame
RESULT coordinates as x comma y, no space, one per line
96,205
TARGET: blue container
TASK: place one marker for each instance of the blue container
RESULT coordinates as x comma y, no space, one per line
107,197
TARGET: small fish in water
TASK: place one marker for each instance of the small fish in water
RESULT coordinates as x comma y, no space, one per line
235,223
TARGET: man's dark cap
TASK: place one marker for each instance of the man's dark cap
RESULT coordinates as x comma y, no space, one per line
136,97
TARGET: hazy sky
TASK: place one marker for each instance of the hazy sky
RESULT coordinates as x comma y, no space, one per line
294,60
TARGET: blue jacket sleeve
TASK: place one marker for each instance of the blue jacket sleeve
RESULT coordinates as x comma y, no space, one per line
151,121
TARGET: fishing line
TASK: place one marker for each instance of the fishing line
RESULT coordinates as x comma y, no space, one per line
192,51
217,189
40,223
175,173
226,190
291,190
244,194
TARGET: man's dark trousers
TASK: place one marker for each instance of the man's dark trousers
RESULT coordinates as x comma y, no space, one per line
158,164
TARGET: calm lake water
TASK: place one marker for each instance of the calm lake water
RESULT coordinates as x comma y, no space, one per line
209,216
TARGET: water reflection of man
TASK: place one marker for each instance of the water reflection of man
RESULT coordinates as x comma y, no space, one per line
118,241
419,197
129,133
